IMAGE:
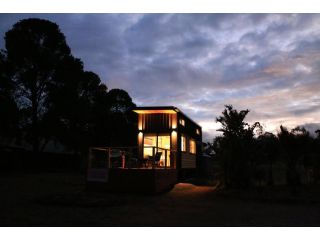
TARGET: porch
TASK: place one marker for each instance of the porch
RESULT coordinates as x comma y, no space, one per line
130,158
119,169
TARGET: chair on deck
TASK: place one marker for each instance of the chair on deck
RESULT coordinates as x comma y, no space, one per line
155,159
115,158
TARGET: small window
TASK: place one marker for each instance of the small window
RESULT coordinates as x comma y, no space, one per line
182,122
183,144
198,131
192,146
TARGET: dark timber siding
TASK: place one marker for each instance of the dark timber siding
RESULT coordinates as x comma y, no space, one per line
188,160
159,122
189,130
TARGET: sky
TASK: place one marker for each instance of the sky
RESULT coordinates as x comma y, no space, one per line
267,63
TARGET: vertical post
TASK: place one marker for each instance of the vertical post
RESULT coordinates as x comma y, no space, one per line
165,158
173,159
153,156
89,158
140,145
109,163
123,159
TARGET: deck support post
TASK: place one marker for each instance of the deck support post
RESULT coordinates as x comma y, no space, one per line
153,156
165,159
109,162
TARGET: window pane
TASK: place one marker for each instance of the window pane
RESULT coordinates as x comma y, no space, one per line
149,142
164,142
183,144
192,146
182,122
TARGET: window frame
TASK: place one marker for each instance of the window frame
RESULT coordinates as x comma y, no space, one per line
182,122
197,131
192,141
185,143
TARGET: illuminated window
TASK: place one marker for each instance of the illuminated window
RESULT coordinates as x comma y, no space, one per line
164,143
159,144
149,143
198,131
182,122
192,146
183,144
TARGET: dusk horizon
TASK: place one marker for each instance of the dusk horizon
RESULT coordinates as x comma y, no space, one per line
267,63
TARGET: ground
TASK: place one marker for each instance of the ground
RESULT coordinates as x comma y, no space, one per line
57,199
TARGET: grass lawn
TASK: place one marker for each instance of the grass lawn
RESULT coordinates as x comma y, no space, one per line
57,199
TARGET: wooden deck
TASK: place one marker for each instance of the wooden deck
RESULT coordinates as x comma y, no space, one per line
136,180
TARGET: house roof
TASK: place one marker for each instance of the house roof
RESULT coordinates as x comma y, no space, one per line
162,109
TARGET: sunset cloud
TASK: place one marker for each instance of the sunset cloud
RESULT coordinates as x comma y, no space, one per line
268,63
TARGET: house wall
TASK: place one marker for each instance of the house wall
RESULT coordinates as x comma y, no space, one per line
158,123
189,130
169,123
188,160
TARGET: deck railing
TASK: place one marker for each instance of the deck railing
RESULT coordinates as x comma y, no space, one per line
129,157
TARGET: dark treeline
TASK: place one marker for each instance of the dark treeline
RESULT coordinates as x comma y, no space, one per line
46,96
247,155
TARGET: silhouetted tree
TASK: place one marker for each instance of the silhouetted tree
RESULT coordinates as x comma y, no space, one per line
318,133
120,101
235,148
208,148
268,150
71,100
54,97
296,146
9,120
316,157
35,47
88,114
122,132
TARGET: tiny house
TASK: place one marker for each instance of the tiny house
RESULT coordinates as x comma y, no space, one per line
168,149
169,131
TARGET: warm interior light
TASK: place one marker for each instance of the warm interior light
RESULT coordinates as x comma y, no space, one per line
154,111
174,136
174,121
183,143
192,146
140,123
182,122
140,138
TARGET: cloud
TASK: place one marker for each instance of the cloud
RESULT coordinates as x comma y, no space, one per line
268,63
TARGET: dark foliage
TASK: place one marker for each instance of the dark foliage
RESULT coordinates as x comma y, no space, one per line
9,113
247,154
34,48
236,148
298,150
46,96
